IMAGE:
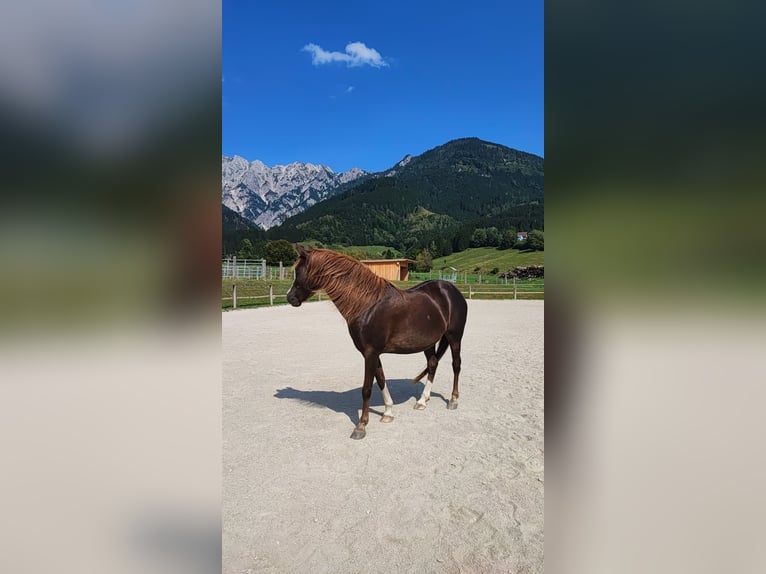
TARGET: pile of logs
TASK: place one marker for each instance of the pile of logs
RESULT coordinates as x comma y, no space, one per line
531,272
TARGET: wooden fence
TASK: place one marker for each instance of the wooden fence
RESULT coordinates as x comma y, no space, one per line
522,289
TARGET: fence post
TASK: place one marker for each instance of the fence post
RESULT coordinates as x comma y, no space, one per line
263,269
281,271
470,291
234,273
514,288
271,294
234,295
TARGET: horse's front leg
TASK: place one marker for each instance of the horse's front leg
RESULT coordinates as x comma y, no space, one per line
388,403
370,366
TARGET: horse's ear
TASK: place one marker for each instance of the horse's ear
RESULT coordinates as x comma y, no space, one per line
301,251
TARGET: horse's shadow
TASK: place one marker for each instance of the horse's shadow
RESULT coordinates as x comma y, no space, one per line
350,402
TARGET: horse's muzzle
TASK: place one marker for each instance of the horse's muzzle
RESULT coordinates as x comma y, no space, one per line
293,300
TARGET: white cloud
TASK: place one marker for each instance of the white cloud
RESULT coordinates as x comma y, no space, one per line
350,89
356,54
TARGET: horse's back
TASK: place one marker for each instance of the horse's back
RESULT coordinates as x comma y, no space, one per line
450,298
433,283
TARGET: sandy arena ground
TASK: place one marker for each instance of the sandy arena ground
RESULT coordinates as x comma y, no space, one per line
434,491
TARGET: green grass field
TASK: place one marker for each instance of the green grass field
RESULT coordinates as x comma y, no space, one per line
486,258
255,293
247,288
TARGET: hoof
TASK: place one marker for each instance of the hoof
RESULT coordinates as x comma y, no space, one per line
419,407
452,405
386,419
358,434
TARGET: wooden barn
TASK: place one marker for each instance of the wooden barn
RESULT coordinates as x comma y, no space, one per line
391,269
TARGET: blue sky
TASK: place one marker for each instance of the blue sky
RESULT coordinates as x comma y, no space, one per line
362,84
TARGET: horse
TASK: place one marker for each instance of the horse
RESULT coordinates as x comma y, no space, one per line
382,318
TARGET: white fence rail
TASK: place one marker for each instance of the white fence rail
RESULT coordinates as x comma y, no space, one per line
521,289
464,277
234,268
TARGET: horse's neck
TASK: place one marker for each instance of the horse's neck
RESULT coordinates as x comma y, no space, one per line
350,306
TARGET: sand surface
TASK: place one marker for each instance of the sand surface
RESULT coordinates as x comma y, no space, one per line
434,491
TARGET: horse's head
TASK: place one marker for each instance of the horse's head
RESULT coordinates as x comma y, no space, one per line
302,287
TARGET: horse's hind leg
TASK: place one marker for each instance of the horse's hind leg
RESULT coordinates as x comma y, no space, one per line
439,352
433,362
424,371
388,413
455,348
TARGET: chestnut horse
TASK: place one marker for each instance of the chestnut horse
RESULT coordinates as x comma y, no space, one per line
385,319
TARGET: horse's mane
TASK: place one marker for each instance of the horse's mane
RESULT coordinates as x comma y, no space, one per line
351,286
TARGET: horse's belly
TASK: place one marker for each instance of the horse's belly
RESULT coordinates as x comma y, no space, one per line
409,326
404,343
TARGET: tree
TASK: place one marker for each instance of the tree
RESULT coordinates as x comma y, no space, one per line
508,239
280,250
445,246
388,254
246,249
536,240
479,237
461,241
493,237
423,261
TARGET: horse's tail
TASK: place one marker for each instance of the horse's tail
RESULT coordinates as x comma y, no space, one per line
443,344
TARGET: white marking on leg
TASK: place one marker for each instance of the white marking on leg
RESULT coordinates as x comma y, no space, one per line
388,402
426,396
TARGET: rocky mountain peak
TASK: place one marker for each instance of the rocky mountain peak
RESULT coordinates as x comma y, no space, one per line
269,195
